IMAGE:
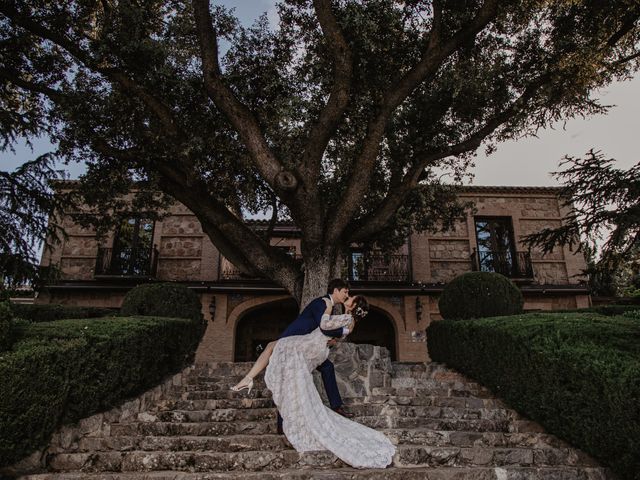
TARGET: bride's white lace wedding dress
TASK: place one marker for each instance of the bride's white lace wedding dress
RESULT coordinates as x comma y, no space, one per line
308,424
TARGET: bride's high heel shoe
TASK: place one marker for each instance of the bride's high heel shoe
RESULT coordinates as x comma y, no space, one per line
239,387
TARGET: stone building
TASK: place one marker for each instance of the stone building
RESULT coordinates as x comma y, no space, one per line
402,286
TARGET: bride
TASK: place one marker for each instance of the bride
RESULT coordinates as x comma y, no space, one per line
308,424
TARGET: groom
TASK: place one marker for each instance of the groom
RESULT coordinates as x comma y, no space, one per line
307,322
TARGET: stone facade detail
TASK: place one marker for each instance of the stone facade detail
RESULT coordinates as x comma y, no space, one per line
443,272
550,273
449,249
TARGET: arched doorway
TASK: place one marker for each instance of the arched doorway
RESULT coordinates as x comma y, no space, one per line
266,322
376,329
261,325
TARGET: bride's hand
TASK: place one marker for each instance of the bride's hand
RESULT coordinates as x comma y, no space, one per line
329,306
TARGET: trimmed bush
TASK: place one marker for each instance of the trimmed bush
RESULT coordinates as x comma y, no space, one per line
6,327
635,314
162,299
576,374
62,371
479,295
51,312
608,310
11,328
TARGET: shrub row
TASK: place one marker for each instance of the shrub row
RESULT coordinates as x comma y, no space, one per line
50,312
165,299
62,371
608,310
11,328
576,374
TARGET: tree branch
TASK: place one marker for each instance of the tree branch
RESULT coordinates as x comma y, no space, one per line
338,99
14,77
435,53
236,112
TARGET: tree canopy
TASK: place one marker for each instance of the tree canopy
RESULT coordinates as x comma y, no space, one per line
344,118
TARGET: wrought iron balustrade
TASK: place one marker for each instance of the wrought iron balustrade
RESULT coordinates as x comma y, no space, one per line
379,268
130,262
509,264
366,268
231,272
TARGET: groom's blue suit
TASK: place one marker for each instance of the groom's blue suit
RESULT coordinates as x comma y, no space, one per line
307,322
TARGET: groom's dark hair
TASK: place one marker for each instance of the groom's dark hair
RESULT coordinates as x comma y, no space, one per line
336,283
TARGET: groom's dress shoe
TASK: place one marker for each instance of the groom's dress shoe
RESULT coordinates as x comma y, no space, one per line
341,411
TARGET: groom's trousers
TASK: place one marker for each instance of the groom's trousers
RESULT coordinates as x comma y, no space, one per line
328,374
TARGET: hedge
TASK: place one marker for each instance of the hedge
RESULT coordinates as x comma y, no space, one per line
576,374
480,295
51,312
607,310
166,299
62,371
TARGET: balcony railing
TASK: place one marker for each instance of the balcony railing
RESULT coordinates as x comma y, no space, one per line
365,268
231,272
379,268
128,262
510,264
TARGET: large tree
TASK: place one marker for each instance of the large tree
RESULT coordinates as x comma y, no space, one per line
344,117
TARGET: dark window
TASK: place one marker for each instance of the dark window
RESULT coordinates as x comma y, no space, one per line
357,266
496,250
133,246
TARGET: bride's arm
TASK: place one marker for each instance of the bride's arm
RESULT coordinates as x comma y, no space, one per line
331,322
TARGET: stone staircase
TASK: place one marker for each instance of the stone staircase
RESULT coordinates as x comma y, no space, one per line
445,426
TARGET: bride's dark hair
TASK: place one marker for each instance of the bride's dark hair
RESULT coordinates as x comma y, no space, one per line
360,307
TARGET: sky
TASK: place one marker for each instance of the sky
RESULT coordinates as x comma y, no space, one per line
527,161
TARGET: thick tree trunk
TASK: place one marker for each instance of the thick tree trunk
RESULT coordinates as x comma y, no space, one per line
319,270
316,277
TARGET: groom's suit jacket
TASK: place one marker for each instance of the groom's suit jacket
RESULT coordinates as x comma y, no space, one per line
309,320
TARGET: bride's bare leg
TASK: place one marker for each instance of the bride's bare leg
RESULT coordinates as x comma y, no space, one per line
261,364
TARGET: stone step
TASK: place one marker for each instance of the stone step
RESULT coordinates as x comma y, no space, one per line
439,389
455,402
474,425
347,473
241,368
231,443
219,415
194,393
406,456
217,392
212,404
441,438
269,426
362,410
225,383
270,442
192,429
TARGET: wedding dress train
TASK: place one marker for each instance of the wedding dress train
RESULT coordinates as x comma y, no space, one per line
308,424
